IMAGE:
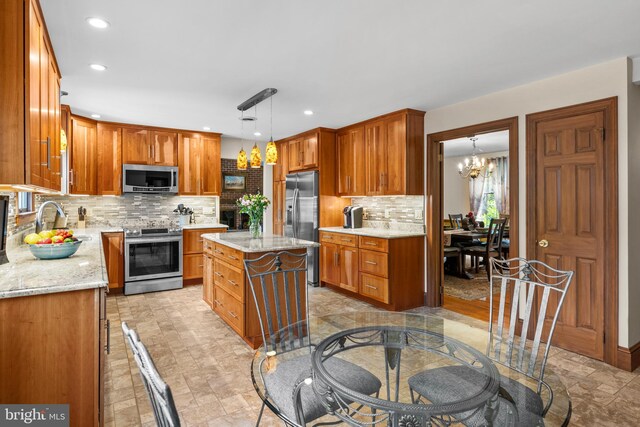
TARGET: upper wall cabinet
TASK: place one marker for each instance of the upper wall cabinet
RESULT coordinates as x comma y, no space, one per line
303,152
199,164
281,168
394,150
83,159
30,148
109,159
351,168
144,146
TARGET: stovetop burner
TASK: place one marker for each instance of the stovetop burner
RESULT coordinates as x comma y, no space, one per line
152,232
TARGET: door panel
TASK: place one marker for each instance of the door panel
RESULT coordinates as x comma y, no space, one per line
35,38
394,175
569,214
135,146
83,162
351,159
189,166
329,264
109,160
164,148
348,260
211,167
375,157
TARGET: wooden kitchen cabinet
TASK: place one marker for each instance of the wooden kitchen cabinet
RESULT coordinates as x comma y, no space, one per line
294,150
199,164
207,279
281,168
83,159
279,194
109,159
303,152
164,148
192,253
30,101
385,272
113,249
135,146
351,161
394,149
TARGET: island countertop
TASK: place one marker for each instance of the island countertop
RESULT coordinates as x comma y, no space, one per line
243,241
25,275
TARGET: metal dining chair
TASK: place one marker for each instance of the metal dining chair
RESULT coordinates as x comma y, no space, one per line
164,408
279,287
541,284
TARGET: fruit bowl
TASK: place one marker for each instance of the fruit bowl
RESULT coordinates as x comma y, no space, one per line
55,251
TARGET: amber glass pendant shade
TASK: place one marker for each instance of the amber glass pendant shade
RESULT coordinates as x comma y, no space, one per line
272,153
256,157
242,160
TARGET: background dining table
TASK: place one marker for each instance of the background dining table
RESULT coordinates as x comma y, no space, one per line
394,347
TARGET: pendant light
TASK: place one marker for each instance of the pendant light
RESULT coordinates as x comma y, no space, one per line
256,156
241,162
272,150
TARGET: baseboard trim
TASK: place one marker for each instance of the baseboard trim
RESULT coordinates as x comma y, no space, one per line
629,358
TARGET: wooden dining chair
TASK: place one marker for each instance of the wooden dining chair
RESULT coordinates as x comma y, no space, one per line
279,287
541,284
164,408
492,247
456,220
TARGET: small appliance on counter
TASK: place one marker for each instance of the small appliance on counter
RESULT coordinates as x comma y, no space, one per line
352,217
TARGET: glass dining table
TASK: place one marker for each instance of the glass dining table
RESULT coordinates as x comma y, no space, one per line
394,347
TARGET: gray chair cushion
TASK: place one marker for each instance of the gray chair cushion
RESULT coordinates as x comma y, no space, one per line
452,383
281,383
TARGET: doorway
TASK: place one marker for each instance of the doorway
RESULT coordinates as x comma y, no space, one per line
436,215
572,188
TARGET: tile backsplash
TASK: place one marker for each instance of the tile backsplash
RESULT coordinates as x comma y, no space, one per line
394,212
130,209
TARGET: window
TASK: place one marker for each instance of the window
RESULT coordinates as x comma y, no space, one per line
488,208
25,202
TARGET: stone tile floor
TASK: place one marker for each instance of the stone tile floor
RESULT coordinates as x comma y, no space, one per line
207,365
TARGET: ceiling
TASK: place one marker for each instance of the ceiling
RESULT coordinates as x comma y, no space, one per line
486,143
188,64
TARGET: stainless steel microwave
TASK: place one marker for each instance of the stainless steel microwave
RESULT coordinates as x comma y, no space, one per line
149,179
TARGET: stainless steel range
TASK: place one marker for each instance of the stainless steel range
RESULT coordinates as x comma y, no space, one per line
152,259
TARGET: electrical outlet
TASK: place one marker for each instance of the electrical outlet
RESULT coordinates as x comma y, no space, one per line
207,210
387,213
418,214
365,215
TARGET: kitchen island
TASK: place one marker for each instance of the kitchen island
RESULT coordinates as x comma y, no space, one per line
53,334
226,288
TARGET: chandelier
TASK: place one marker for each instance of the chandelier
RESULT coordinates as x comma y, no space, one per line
476,167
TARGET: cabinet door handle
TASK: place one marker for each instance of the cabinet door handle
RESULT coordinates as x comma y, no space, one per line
336,259
371,243
345,239
48,142
232,314
71,177
218,303
232,282
149,150
219,274
232,257
370,287
108,346
371,262
200,265
153,152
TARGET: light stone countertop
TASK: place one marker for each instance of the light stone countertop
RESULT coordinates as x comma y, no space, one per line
25,275
203,225
383,233
243,241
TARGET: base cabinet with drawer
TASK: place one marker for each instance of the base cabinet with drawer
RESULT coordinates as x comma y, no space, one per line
192,253
388,273
227,289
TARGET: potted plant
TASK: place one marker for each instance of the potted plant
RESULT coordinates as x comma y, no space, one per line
254,206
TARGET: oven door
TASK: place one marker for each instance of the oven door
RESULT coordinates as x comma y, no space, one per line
152,258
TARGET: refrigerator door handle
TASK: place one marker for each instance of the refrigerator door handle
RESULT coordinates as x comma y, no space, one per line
296,213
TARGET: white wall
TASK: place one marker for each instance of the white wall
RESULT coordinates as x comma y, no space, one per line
588,84
229,150
456,190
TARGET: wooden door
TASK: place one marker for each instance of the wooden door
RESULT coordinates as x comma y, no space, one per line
164,148
569,209
35,39
109,159
54,120
83,162
351,159
207,280
394,176
45,134
349,268
330,263
281,169
279,189
310,151
295,154
188,164
375,157
113,248
211,167
135,146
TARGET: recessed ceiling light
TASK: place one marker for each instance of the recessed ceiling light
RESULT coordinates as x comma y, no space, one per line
257,133
206,128
308,113
97,23
98,67
95,116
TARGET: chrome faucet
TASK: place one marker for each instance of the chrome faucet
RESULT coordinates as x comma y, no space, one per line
41,211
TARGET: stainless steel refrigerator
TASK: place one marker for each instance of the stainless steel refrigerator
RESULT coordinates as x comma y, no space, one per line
302,216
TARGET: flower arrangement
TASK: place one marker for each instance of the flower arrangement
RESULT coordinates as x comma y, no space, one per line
471,220
254,206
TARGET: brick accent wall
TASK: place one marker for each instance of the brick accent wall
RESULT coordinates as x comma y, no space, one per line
253,182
